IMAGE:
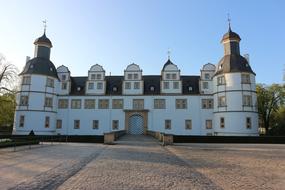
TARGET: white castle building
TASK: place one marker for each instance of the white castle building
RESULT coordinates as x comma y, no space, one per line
221,101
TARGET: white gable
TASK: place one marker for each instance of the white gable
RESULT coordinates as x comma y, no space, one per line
133,67
171,67
62,69
97,68
209,67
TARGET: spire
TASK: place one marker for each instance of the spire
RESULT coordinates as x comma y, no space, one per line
229,21
45,26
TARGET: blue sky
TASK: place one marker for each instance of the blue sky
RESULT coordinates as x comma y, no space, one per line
115,33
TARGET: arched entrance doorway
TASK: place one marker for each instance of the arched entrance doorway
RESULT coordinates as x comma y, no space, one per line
136,125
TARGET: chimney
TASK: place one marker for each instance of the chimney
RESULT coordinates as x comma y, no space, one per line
28,58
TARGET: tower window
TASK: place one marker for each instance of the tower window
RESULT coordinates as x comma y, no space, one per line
207,103
208,124
221,101
48,102
167,124
222,122
115,124
24,100
221,80
59,124
50,82
76,124
22,121
247,100
188,124
245,79
95,124
248,123
26,80
47,122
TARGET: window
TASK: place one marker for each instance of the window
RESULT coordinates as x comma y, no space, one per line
167,124
166,85
50,82
248,122
76,124
207,103
99,85
63,77
138,104
168,76
95,124
75,104
48,102
221,101
181,103
93,76
115,124
222,122
98,76
22,121
245,79
174,76
127,85
247,100
103,104
117,104
221,80
137,85
208,124
176,85
64,85
26,80
136,76
47,122
130,76
89,104
207,76
63,103
188,124
90,85
159,103
24,100
59,124
205,85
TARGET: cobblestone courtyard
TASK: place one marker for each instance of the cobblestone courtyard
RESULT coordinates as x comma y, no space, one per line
140,162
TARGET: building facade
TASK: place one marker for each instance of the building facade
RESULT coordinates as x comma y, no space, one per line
221,101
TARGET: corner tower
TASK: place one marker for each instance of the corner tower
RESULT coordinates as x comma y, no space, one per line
235,109
36,100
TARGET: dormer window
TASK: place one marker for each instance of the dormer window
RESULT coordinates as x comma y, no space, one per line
190,88
166,85
98,76
78,88
63,77
136,76
115,89
93,76
99,85
207,76
176,85
127,85
152,88
130,76
136,85
167,76
174,76
90,85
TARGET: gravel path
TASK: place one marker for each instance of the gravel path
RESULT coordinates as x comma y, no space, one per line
140,162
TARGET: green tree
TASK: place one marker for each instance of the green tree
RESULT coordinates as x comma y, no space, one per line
269,99
278,122
7,109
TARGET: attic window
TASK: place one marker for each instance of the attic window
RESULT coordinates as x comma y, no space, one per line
221,66
246,65
32,66
190,88
152,88
50,68
115,89
78,88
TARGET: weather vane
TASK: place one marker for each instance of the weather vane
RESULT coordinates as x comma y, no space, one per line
168,53
229,20
45,25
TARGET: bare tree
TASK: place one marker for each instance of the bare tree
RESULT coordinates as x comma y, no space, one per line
8,75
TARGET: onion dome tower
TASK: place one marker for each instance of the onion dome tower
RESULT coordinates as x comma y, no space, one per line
36,100
235,109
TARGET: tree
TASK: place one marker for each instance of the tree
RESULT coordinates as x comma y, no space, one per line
7,109
278,122
8,76
269,100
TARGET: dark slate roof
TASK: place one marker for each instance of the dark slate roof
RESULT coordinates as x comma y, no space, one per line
114,85
192,82
78,85
43,40
39,65
231,35
168,62
233,63
151,84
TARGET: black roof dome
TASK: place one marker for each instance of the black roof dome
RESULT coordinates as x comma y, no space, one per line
233,63
231,35
39,65
43,40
